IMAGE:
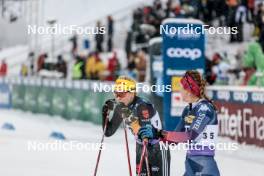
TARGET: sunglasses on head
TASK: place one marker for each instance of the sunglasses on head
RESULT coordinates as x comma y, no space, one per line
120,94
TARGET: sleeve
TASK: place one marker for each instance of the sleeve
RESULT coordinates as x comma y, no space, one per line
181,124
113,124
203,116
155,121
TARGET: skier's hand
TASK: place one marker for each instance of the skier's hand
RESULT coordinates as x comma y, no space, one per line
108,106
127,114
148,132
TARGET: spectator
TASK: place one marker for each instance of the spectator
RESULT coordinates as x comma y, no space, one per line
95,68
259,21
31,59
128,43
250,10
3,68
254,60
168,8
61,66
110,32
132,66
77,70
220,9
232,7
82,58
240,19
141,64
41,61
89,65
113,68
209,11
24,70
99,38
74,44
209,64
222,70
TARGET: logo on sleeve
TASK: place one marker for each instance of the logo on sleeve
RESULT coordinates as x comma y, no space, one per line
203,108
145,114
189,119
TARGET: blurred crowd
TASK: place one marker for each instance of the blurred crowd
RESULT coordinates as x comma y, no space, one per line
230,13
3,68
246,67
93,67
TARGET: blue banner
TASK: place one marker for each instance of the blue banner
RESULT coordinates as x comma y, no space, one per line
5,96
183,49
156,62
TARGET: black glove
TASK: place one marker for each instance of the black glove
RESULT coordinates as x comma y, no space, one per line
108,106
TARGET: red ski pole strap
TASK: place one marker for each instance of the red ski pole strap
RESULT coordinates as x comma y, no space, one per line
175,137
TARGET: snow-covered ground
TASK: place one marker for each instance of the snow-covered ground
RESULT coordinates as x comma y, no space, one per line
16,159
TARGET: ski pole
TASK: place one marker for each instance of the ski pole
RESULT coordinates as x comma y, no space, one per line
142,157
101,145
127,150
147,162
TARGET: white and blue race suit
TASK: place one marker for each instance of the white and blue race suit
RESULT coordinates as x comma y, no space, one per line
199,119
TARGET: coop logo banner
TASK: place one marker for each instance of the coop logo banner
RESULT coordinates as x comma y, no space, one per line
5,96
185,53
180,53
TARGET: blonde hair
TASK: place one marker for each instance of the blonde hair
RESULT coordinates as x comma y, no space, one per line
125,83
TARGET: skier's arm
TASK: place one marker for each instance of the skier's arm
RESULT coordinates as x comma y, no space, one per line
111,116
201,120
179,134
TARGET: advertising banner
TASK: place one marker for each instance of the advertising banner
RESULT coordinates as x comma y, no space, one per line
75,100
30,98
5,96
18,93
45,97
240,115
92,106
183,48
59,102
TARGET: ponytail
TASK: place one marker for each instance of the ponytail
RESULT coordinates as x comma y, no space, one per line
201,82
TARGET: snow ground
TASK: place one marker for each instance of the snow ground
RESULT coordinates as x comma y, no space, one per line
16,159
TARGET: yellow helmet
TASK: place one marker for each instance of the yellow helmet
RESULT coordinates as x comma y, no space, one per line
125,84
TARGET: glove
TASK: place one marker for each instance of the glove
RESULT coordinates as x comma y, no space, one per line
127,114
148,132
108,106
